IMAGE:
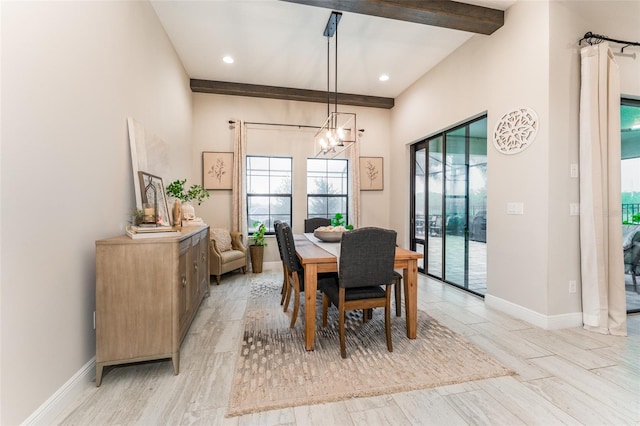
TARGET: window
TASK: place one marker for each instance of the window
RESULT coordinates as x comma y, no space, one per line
268,191
327,188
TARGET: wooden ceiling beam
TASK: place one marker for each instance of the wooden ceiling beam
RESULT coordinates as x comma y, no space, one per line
274,92
438,13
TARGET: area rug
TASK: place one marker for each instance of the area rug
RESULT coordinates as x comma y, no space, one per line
275,371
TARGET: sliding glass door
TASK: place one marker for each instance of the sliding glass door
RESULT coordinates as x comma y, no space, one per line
449,205
630,179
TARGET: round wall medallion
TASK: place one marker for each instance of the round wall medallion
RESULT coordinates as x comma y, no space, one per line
515,131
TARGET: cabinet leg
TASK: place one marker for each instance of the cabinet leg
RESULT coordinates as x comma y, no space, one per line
175,359
99,368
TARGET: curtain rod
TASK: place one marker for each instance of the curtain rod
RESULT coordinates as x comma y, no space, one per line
232,122
276,124
589,36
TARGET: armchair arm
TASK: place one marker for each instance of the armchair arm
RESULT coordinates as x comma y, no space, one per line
215,262
236,242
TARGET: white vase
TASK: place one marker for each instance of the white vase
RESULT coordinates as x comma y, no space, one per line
188,212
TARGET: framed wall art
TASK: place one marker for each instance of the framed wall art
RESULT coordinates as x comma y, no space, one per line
152,192
217,170
371,174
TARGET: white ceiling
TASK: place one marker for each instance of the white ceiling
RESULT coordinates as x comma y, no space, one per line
278,43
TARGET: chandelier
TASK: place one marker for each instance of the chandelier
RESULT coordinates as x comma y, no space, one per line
339,129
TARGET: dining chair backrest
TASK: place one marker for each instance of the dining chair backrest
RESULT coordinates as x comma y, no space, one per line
367,256
276,225
311,224
289,252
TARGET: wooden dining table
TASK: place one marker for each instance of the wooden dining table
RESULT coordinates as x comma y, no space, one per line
315,259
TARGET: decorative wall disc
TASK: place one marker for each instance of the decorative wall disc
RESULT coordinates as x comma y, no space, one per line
515,131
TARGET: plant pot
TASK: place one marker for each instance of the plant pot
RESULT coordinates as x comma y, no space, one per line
257,254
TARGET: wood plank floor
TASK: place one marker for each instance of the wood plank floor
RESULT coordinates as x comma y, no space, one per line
569,376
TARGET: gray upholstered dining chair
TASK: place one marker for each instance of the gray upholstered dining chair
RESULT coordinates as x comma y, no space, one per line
296,271
286,287
311,224
365,275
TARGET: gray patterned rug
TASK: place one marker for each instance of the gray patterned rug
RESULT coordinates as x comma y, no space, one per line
275,371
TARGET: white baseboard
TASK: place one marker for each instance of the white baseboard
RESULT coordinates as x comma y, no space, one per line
547,322
48,412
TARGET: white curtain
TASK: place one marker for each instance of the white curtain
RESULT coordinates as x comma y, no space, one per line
354,187
239,215
603,293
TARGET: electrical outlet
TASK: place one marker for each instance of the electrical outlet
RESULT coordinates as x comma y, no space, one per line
573,170
572,286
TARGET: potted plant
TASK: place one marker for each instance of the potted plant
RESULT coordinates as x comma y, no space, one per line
338,220
256,250
184,197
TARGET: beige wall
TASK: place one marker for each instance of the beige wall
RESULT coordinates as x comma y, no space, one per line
532,61
496,74
211,132
71,75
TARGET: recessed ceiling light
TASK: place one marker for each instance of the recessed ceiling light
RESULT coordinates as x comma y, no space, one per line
383,77
227,59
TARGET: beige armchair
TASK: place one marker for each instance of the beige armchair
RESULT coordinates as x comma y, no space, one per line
223,261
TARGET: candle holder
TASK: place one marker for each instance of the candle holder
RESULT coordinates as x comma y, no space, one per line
149,216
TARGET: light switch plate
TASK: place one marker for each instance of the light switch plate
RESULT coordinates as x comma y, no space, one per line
515,208
573,170
574,209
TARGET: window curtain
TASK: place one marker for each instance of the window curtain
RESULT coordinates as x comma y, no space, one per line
354,187
239,215
603,293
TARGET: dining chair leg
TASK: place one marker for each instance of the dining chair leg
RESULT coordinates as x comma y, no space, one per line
296,301
367,314
387,319
341,315
283,291
398,288
287,295
325,308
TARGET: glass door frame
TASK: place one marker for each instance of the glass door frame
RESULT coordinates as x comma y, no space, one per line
414,241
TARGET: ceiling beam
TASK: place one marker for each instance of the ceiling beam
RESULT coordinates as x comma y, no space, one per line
438,13
274,92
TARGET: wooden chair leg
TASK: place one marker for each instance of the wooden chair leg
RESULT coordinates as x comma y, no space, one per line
398,288
325,308
218,279
285,283
296,301
287,294
341,313
387,319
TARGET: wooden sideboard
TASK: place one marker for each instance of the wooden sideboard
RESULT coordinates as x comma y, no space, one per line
147,293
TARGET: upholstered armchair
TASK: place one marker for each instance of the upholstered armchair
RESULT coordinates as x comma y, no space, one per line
227,253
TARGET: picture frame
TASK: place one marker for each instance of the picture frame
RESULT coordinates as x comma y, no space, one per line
371,174
152,191
217,170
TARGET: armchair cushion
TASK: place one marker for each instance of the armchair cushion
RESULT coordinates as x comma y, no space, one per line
222,237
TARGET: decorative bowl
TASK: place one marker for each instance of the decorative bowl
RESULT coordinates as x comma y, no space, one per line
328,236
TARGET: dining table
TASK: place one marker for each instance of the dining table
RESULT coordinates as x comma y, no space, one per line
315,259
